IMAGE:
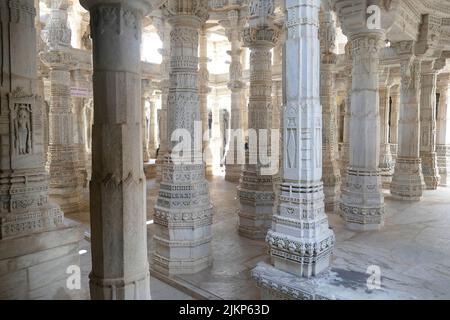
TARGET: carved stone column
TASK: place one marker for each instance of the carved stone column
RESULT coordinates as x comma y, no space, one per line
152,135
256,190
386,161
331,176
36,245
345,152
408,182
443,131
163,29
146,92
120,268
183,212
300,241
82,95
204,90
62,163
428,102
233,27
362,202
395,112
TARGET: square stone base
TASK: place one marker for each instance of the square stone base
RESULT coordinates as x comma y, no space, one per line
34,266
330,285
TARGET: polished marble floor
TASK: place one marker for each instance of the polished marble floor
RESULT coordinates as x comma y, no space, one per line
412,251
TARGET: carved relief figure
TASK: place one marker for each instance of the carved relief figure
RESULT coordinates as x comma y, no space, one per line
21,128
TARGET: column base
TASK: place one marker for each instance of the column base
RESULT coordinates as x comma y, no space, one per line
362,203
131,288
430,170
233,173
408,182
255,212
331,187
443,160
330,285
36,264
183,219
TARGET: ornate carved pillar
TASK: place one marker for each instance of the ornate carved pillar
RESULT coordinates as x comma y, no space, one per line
256,191
152,135
36,244
408,182
204,90
362,202
331,176
163,29
146,93
62,163
300,241
443,131
386,161
428,102
79,79
183,212
345,152
233,27
395,112
120,268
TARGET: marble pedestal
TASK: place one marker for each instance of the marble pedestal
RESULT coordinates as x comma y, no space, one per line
331,285
34,266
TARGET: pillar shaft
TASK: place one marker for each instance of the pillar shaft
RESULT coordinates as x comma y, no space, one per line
386,161
395,113
428,102
300,241
362,202
120,268
62,162
443,132
331,176
183,212
408,182
233,26
257,190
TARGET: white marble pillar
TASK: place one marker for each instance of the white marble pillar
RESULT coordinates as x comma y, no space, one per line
36,244
408,182
183,211
395,113
163,29
345,151
146,92
300,241
386,161
362,202
120,268
257,190
152,127
204,90
443,131
62,162
233,27
428,102
331,176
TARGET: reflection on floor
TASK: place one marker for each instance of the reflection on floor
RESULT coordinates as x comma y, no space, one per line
412,251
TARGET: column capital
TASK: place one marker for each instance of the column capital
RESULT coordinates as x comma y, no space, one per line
142,6
260,36
187,12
